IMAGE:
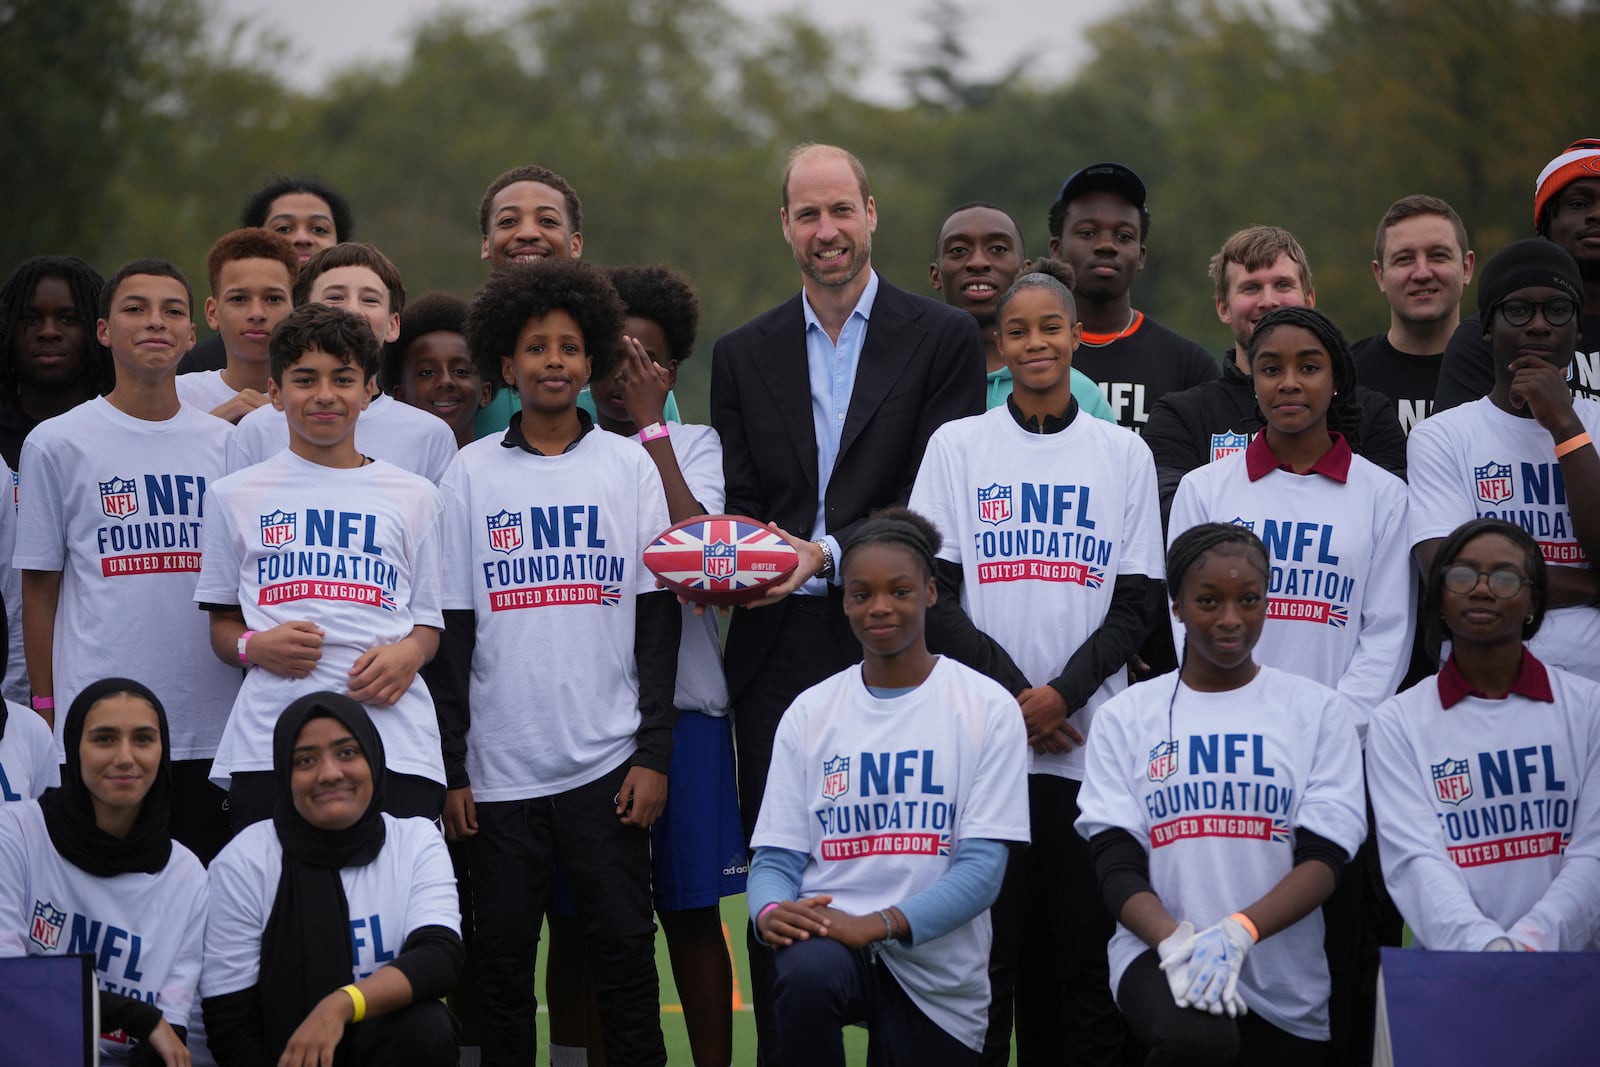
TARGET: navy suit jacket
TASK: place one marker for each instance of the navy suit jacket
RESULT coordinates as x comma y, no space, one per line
922,364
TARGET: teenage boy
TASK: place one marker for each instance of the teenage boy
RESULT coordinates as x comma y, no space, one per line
321,572
1422,264
550,764
430,367
1566,211
252,274
1259,268
305,211
50,359
1523,453
528,214
977,256
1098,225
108,540
360,279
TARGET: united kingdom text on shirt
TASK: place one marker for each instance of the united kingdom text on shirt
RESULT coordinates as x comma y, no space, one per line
117,505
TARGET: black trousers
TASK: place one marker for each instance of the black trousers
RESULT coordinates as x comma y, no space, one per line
1183,1036
813,643
822,987
199,809
419,1035
1065,1013
607,865
252,794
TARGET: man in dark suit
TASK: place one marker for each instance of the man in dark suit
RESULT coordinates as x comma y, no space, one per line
824,405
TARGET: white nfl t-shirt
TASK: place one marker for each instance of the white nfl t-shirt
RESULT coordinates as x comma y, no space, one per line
145,931
548,551
204,390
1340,598
1476,461
15,687
1042,525
27,756
1489,815
116,504
1215,786
408,886
355,551
877,793
409,438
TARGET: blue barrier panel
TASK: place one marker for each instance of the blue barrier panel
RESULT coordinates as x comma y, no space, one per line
48,1011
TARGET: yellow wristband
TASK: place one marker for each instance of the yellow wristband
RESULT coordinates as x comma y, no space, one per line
1249,927
1572,444
357,998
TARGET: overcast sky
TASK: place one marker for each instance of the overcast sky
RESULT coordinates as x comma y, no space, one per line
340,32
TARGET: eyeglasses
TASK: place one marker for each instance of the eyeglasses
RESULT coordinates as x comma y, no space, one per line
1557,312
1503,585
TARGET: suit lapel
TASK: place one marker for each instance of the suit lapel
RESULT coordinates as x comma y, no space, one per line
781,364
892,339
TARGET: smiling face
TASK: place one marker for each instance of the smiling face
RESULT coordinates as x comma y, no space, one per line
980,255
1037,339
439,376
528,221
359,291
1293,377
148,328
330,779
607,394
1253,293
119,757
1423,270
252,297
827,222
321,396
887,594
1222,604
549,365
1478,617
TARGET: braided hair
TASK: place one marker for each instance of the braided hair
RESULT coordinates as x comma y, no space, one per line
1344,414
1433,628
1051,274
1187,550
896,526
86,284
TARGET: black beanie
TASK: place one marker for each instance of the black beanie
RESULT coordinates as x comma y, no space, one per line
1531,261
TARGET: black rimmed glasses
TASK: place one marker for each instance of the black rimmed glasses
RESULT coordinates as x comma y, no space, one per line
1519,312
1503,585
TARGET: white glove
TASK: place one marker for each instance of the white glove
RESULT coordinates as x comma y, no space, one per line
1502,944
1174,953
1219,953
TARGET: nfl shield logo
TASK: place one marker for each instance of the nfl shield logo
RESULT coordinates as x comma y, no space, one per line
718,559
1494,482
1163,761
1248,524
47,923
505,531
994,504
278,529
835,777
1452,782
118,498
1226,444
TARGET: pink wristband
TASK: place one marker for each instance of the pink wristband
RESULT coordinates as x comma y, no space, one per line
654,431
244,641
43,703
762,914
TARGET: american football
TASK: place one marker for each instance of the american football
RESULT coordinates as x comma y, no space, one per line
720,559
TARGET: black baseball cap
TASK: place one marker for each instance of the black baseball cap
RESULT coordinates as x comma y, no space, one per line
1109,176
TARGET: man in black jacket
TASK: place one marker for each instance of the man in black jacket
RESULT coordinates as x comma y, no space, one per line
1258,269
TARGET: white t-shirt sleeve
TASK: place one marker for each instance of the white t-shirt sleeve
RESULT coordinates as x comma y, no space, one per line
1333,803
784,819
433,900
439,452
1141,522
654,520
41,521
1437,504
1430,890
455,526
1107,800
240,903
14,905
701,464
427,570
178,992
995,808
1383,647
220,560
1567,916
932,496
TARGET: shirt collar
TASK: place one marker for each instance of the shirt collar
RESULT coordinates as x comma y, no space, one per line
1260,460
1052,423
863,306
514,438
1532,681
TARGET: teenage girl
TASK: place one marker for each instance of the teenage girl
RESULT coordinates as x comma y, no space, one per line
1486,778
894,790
1221,804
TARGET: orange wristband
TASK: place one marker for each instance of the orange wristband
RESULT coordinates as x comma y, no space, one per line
1572,444
1249,927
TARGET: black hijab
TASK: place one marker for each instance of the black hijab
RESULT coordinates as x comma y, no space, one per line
305,949
69,808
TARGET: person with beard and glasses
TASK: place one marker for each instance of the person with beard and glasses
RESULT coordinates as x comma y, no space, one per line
824,405
90,867
333,929
1421,263
978,255
1098,226
1566,212
1258,269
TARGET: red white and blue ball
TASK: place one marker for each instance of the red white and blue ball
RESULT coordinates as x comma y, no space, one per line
720,559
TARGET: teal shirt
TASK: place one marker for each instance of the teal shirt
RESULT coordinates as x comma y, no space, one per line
496,417
1084,391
